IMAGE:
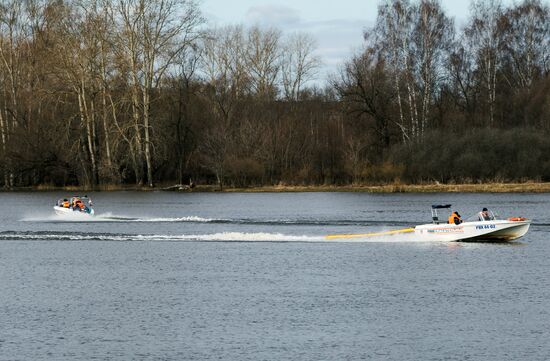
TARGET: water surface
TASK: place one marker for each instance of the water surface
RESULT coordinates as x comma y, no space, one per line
181,276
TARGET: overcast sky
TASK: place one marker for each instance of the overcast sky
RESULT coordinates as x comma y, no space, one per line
337,24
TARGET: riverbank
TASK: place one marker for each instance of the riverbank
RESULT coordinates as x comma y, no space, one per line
529,187
411,188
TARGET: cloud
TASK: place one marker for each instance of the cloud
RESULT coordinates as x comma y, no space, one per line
336,39
273,15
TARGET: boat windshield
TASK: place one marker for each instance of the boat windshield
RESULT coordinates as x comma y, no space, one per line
486,215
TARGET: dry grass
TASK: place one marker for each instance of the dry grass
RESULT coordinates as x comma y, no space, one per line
529,187
404,188
78,189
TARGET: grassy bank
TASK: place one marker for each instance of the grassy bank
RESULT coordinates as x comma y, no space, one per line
408,188
530,187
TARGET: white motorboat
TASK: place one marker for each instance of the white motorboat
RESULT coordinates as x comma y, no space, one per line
485,228
74,207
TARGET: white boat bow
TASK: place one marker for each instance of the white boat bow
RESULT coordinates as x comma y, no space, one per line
61,211
74,207
491,229
497,230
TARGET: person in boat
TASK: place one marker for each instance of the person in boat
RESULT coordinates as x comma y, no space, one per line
66,203
454,218
484,215
79,206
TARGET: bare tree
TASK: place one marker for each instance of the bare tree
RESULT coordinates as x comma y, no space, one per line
97,14
392,35
262,54
299,63
364,87
414,38
526,29
154,33
485,38
13,36
434,33
224,68
462,77
186,79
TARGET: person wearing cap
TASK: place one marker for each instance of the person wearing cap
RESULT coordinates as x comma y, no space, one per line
484,215
454,218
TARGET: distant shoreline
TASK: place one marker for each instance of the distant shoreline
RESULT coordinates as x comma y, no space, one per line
529,187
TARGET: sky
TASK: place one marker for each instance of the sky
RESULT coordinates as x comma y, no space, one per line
337,25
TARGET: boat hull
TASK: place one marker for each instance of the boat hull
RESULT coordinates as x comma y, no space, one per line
61,211
491,231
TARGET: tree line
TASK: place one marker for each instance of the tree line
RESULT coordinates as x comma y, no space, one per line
102,92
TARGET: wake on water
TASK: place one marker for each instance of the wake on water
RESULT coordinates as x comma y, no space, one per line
219,237
112,218
215,237
109,217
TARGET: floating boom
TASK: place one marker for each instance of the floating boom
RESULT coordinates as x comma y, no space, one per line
373,234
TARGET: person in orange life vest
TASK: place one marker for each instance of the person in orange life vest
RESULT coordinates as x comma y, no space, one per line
66,203
454,218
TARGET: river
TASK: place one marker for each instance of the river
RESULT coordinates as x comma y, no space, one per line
250,276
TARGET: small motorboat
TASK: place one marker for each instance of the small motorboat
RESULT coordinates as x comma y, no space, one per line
484,227
74,206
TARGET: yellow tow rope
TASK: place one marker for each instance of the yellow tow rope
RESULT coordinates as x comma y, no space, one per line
334,236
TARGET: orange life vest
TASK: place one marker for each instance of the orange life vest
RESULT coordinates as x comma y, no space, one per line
452,218
66,204
517,219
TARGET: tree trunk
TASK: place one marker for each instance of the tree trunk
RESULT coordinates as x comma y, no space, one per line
146,104
123,135
138,146
85,119
104,110
3,139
